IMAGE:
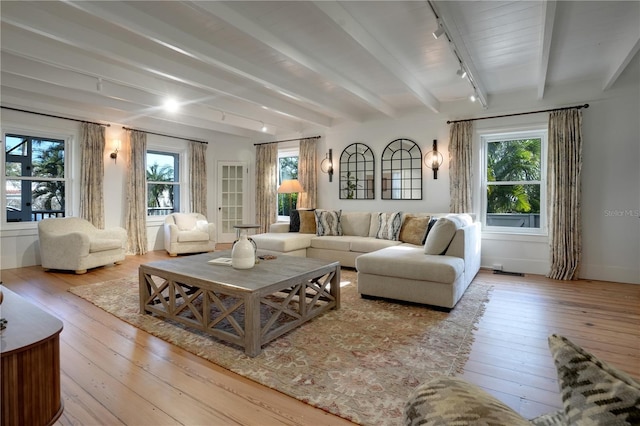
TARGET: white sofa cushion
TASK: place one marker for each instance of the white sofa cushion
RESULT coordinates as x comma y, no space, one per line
283,242
440,236
332,242
192,236
185,221
355,223
411,263
367,244
103,244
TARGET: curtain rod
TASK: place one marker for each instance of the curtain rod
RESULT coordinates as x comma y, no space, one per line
288,140
55,116
168,136
520,113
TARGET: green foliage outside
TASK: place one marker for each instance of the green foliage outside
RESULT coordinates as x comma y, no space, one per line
288,170
513,162
155,191
48,162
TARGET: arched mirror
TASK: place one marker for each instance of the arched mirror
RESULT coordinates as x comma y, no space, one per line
357,172
401,176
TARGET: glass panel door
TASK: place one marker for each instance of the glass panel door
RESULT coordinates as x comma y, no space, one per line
232,203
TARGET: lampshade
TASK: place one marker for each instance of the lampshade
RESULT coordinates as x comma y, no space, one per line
290,186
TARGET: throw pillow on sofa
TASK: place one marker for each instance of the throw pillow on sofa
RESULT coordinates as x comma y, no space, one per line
593,392
294,220
432,222
440,236
414,229
328,222
389,225
307,221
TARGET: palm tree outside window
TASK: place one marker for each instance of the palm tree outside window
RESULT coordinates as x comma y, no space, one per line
35,178
163,183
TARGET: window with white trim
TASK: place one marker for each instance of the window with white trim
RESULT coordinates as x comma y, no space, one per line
36,177
163,182
514,182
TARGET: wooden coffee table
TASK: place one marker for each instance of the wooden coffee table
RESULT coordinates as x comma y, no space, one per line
248,307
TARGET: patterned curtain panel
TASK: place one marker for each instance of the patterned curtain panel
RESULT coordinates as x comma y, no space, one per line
460,149
136,214
564,193
198,177
308,174
266,185
92,145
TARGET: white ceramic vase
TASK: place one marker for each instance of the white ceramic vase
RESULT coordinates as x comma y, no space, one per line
243,255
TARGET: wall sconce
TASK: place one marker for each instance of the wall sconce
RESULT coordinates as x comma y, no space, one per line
116,148
327,165
433,159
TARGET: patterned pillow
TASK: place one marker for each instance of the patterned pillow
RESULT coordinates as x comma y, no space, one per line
593,392
414,229
307,222
389,225
328,222
453,401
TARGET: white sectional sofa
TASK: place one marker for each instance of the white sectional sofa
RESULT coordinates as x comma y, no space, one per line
392,268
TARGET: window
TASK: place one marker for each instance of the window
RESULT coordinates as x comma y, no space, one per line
35,178
287,169
514,181
163,183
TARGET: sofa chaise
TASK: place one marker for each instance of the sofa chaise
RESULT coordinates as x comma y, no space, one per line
433,268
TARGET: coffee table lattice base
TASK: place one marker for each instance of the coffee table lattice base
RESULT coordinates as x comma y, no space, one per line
222,310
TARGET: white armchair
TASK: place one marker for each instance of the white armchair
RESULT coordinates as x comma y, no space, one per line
72,243
188,233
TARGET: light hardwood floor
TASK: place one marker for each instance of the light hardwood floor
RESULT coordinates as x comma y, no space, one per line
113,373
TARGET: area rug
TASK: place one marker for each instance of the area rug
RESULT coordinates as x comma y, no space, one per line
359,362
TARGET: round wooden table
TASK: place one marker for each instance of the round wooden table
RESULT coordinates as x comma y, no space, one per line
30,363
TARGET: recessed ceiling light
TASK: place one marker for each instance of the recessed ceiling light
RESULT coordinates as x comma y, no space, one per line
264,127
473,97
171,105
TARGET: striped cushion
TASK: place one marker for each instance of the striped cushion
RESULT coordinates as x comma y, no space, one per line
389,225
328,222
593,392
453,401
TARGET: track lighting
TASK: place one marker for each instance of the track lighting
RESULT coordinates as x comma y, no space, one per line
462,73
473,97
437,33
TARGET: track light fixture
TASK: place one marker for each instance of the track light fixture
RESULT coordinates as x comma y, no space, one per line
462,73
438,32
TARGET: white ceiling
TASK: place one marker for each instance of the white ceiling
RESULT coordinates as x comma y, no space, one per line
300,67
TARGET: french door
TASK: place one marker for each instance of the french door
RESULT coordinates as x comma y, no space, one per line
233,207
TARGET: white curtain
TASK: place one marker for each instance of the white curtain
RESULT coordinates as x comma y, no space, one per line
92,145
460,161
266,185
198,177
308,173
564,193
136,208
